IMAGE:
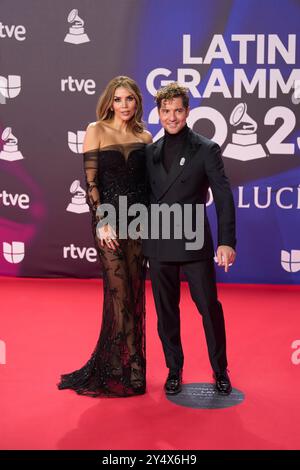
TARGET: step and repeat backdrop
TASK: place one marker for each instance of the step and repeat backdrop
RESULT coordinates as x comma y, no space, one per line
241,63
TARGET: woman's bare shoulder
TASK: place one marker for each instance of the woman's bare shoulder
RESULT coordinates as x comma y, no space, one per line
94,127
146,137
93,134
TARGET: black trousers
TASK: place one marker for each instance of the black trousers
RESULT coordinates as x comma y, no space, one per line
201,278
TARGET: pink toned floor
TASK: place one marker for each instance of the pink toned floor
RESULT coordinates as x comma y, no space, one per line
49,327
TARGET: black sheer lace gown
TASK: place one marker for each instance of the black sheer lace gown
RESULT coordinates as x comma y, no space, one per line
117,367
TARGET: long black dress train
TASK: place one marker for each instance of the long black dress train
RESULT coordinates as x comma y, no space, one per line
117,366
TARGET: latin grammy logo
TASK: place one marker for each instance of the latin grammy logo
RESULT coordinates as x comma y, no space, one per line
10,151
244,144
78,204
76,34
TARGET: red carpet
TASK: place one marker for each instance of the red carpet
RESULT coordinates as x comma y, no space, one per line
51,326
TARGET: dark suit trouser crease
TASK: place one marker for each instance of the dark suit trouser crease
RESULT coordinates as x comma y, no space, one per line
201,279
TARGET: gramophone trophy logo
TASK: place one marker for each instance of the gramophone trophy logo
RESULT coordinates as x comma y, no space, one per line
244,144
76,34
78,204
10,151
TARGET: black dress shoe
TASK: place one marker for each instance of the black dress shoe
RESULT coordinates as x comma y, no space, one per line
222,382
173,382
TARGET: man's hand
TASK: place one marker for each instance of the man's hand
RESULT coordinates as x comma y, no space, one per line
225,256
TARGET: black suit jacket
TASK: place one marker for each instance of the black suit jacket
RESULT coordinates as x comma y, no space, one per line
198,167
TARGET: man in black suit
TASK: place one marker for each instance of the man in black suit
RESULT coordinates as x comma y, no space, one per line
181,166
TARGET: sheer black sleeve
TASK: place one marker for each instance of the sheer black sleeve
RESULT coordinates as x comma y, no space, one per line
91,179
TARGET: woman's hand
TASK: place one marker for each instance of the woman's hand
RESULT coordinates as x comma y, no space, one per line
107,236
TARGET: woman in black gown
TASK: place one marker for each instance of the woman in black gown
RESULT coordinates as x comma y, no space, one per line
114,165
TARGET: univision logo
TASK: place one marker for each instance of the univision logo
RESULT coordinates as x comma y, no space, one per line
290,261
75,141
10,87
13,252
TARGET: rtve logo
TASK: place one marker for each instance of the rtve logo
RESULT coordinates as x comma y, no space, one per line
2,352
13,252
75,252
9,199
14,31
74,84
290,261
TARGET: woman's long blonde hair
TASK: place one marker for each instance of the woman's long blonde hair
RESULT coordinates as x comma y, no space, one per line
105,102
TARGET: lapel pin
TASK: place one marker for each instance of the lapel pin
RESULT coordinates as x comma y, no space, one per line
182,161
